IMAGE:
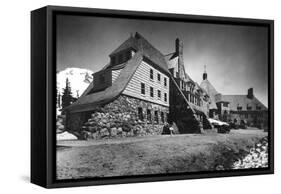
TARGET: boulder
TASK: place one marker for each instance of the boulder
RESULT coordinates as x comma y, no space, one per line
119,130
113,131
104,132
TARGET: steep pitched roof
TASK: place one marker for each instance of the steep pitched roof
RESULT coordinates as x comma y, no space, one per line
208,87
139,43
242,100
144,50
211,91
88,101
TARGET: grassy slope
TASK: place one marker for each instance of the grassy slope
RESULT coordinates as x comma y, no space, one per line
153,155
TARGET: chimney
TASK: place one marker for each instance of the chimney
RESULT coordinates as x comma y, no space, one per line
205,73
179,52
179,47
250,94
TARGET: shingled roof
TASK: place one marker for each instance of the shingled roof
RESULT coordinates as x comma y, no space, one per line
89,101
243,101
144,51
211,91
139,43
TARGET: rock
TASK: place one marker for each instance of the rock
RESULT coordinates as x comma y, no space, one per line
60,127
124,134
92,129
94,135
113,131
104,132
119,130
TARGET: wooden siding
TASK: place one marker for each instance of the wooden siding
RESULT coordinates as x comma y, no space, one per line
142,75
115,74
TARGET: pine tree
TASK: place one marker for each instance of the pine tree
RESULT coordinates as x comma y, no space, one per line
66,98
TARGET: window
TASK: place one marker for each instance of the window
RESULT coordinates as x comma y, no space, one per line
162,117
140,114
158,77
148,112
258,107
249,108
156,117
225,104
151,92
239,107
165,81
151,74
165,97
159,94
142,88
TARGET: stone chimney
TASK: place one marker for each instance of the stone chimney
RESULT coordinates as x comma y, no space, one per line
179,47
205,73
250,94
179,52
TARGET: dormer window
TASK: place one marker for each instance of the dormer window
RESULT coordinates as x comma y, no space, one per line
249,107
121,57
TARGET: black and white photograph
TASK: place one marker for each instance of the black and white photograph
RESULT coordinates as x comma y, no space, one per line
154,97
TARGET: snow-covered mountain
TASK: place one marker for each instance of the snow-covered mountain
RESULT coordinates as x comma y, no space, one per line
79,80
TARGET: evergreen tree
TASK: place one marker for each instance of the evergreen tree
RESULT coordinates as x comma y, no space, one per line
67,98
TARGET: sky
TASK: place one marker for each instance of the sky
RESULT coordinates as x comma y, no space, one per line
236,57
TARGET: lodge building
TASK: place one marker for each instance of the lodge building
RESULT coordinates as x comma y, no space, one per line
238,109
139,79
154,88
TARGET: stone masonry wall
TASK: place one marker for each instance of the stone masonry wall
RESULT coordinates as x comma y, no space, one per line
124,117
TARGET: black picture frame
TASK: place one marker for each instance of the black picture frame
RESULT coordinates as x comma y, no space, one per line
43,92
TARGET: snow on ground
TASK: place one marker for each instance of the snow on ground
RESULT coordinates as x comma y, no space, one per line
65,136
79,80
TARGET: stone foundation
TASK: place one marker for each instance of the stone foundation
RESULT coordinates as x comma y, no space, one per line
125,116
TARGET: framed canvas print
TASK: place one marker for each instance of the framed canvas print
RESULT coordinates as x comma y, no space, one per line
125,96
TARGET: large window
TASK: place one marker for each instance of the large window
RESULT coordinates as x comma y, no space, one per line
142,88
151,74
151,92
